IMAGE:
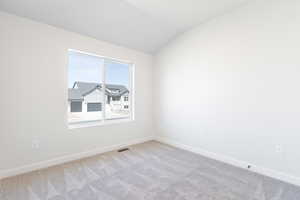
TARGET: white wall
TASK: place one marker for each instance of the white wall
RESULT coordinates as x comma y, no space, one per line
94,97
33,85
232,87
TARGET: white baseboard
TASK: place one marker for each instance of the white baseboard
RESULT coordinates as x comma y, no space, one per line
226,159
232,161
68,158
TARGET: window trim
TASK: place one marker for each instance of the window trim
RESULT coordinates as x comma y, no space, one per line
91,123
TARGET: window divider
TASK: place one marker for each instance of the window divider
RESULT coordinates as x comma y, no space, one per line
104,90
131,90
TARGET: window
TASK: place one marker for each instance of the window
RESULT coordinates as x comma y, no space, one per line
94,107
76,106
116,98
117,78
96,87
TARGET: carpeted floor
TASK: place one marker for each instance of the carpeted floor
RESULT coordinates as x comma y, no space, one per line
148,171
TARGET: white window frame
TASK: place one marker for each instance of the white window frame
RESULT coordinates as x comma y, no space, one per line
131,95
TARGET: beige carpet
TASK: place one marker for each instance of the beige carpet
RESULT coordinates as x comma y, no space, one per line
148,171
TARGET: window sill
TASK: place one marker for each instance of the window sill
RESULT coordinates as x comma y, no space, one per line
85,124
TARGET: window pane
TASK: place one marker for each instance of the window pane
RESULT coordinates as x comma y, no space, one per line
85,94
117,90
76,106
94,107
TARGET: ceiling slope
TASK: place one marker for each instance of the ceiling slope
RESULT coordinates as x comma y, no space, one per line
144,25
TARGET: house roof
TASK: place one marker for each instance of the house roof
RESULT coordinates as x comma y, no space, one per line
81,89
74,95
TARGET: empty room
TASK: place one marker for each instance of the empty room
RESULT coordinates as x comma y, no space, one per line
150,100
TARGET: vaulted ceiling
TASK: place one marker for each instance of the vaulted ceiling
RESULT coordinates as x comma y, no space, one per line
144,25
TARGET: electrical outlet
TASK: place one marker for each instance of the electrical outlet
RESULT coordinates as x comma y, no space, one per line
35,144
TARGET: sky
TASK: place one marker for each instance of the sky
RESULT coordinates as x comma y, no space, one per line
83,67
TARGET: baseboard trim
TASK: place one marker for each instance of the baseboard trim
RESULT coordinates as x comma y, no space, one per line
68,158
232,161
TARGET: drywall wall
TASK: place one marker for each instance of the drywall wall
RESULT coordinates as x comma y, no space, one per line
33,82
231,87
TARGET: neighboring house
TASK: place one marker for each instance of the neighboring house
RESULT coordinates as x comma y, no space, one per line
87,97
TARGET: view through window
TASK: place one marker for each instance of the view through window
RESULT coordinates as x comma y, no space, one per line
98,88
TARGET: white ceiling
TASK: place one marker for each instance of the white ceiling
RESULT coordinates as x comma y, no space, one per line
145,25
